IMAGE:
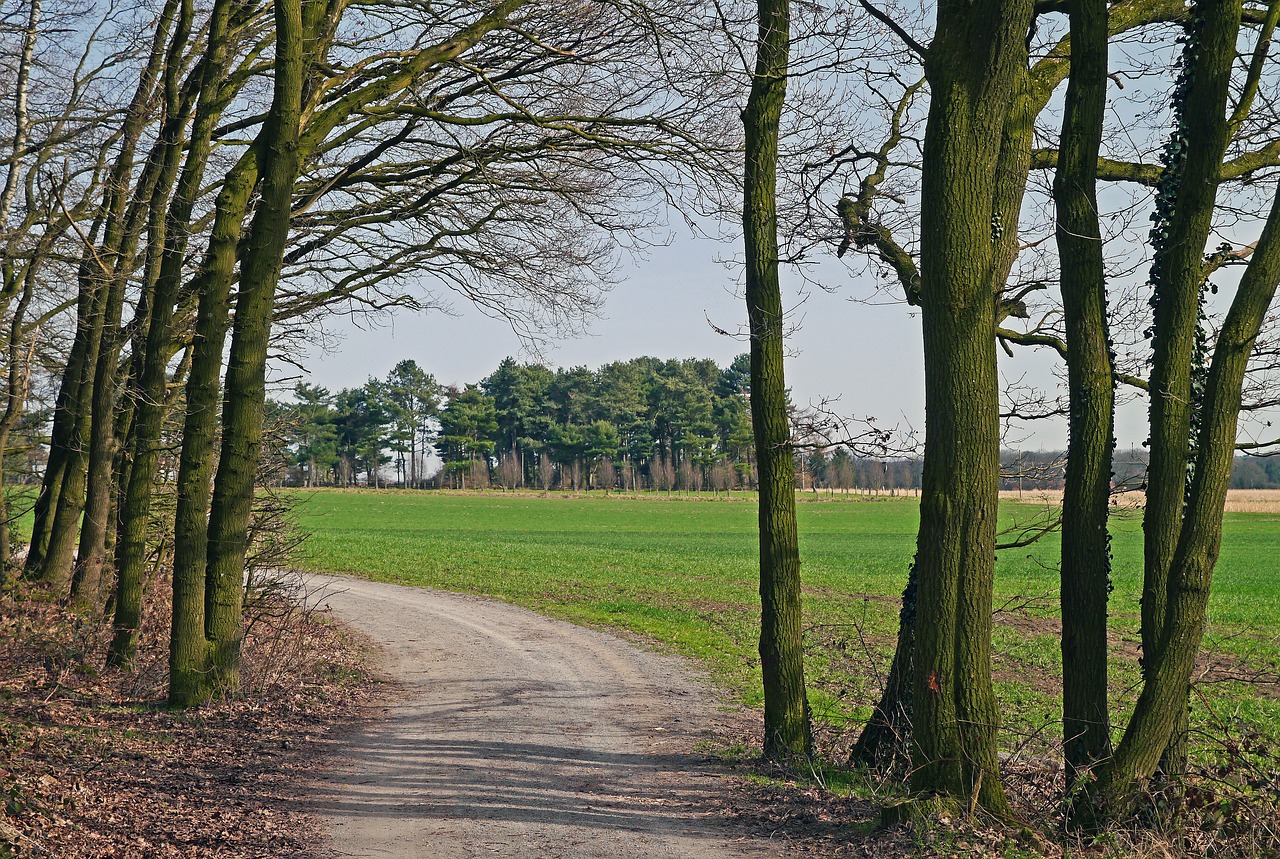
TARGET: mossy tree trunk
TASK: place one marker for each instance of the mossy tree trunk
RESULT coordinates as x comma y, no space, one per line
787,733
209,530
978,78
169,232
1086,548
128,602
243,403
61,498
1183,520
145,210
200,432
188,650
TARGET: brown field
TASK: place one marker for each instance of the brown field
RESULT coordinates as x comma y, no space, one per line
1238,500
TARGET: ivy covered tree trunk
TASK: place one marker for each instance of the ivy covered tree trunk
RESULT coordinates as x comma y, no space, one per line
977,73
1086,545
1168,670
1184,531
1185,203
787,732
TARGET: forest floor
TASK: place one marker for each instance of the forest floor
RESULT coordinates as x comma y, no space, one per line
93,765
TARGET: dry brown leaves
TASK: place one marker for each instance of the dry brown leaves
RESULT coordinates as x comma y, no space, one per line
89,769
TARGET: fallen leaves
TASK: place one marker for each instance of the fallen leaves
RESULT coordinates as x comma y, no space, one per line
88,771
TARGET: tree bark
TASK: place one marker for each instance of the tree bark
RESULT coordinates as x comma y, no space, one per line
246,370
61,497
1086,545
787,732
1177,274
1185,541
976,130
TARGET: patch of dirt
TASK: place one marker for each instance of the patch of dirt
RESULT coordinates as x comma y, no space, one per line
518,735
90,769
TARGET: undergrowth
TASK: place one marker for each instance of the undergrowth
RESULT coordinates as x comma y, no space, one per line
92,763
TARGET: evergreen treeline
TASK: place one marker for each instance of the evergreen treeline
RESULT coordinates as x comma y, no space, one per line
673,424
645,423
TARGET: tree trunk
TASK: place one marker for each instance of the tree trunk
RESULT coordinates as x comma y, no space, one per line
246,370
18,375
1168,670
62,492
64,517
65,417
1177,274
1187,539
200,431
977,71
787,731
1086,545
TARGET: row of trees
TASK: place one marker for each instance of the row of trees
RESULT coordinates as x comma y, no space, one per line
666,424
187,187
333,437
988,72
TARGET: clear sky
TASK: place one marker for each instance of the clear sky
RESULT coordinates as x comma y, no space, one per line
865,354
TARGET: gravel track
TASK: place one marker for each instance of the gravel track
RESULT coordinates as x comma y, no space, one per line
518,735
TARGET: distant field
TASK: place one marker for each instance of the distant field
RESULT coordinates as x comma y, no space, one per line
682,572
1238,500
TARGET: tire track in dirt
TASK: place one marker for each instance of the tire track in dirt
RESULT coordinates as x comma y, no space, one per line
519,735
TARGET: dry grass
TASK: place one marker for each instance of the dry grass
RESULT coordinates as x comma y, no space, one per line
1238,500
1253,501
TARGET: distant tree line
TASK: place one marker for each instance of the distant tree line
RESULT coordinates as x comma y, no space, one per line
646,423
1047,470
642,423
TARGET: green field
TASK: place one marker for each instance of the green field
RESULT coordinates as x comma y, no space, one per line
681,572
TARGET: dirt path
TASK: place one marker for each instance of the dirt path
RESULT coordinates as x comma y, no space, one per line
520,736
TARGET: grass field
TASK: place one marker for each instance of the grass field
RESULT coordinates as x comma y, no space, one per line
681,572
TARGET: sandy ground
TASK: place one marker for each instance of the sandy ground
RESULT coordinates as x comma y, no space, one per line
518,735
